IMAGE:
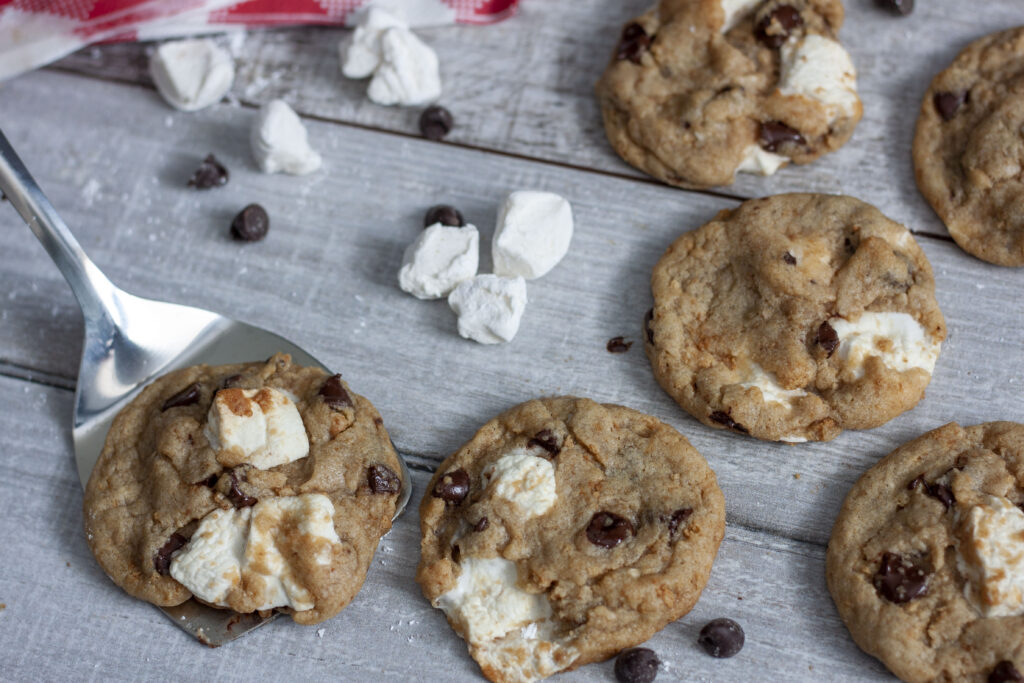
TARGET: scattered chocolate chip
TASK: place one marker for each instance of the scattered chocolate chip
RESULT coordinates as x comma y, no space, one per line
940,492
211,173
186,397
445,215
230,381
724,419
453,487
618,345
481,525
721,638
547,440
334,395
382,479
633,43
638,665
774,134
236,495
251,224
789,258
827,339
607,529
648,318
1004,672
436,122
949,103
677,518
900,580
162,559
903,7
775,27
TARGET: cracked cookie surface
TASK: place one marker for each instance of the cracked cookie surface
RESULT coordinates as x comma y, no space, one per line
969,151
793,317
565,531
161,490
926,559
697,90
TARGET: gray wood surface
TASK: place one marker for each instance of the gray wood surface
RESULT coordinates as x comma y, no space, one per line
114,160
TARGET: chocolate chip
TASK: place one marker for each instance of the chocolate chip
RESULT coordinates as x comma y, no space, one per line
211,481
940,492
334,395
903,7
774,134
949,103
789,258
452,487
186,397
251,224
827,339
900,580
162,559
607,529
1004,672
236,495
638,665
211,173
547,440
436,122
724,419
648,318
677,518
481,525
633,43
721,638
382,479
230,382
775,27
618,345
445,215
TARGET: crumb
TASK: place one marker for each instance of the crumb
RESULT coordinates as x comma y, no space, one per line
67,564
320,633
3,606
796,476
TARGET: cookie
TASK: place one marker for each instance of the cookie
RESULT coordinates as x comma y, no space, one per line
697,90
250,487
566,531
926,560
793,317
968,148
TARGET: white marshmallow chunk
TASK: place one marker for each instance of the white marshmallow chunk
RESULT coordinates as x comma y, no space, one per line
530,653
896,338
362,56
525,479
761,161
192,74
489,307
440,258
819,68
261,427
771,390
736,10
280,143
408,74
990,553
210,565
533,234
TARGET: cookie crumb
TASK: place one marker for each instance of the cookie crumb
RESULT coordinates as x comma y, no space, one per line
320,632
796,475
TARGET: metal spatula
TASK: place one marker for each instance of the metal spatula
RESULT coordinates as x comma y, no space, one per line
130,341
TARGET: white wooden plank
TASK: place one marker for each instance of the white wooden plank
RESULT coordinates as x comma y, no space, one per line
64,620
326,277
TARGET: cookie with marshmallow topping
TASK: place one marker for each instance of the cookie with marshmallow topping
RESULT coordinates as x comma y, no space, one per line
926,559
249,487
565,531
793,317
698,90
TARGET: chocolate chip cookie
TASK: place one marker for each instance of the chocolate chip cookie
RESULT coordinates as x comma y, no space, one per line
793,317
700,89
566,531
968,149
250,487
926,560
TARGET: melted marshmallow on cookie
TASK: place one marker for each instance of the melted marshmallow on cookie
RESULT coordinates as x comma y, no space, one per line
990,553
896,338
261,427
525,479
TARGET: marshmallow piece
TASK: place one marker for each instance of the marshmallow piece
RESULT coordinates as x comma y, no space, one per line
896,338
261,427
525,479
771,390
440,258
363,55
761,161
530,653
279,141
192,74
489,307
408,73
990,553
533,234
736,10
243,555
820,69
